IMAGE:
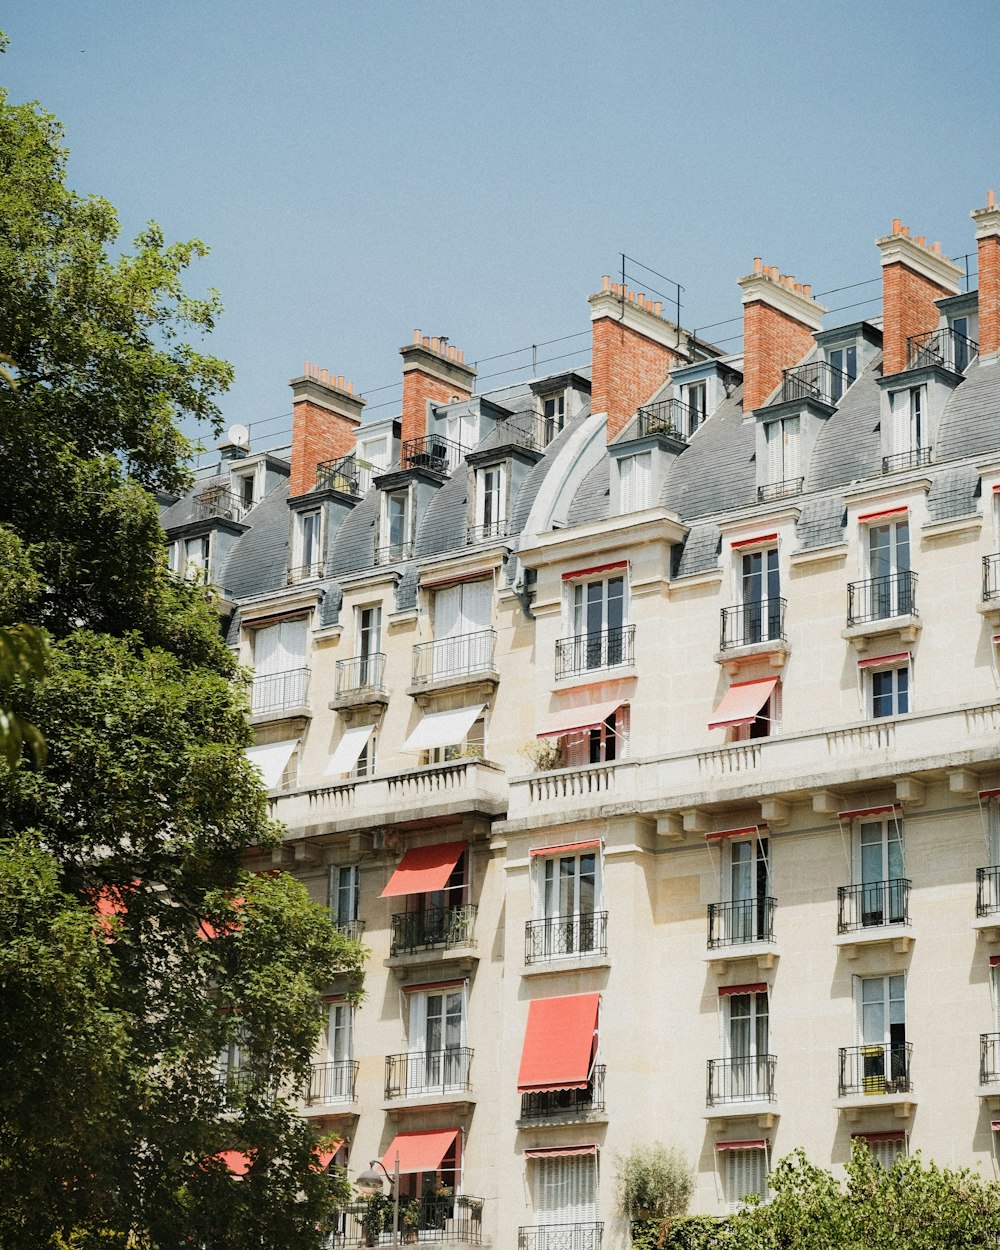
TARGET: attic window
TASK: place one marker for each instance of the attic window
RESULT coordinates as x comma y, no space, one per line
553,415
844,362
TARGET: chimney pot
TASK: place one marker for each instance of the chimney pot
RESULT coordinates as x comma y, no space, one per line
896,225
807,290
605,282
426,341
416,336
658,307
905,230
340,380
614,288
922,239
324,375
991,198
936,247
451,351
757,262
461,356
305,368
350,388
798,287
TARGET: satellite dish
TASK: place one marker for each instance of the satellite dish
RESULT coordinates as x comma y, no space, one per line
239,435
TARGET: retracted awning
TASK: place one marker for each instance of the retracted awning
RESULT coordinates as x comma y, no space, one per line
574,719
565,848
271,759
752,1143
741,703
419,1152
442,729
348,750
560,1152
424,869
559,1043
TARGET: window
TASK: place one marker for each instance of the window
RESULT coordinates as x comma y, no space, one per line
760,596
308,549
368,626
569,889
463,640
564,1192
338,1075
279,656
437,1058
695,396
365,767
245,489
597,622
844,362
879,870
395,533
601,744
635,480
472,746
891,587
782,440
908,418
962,345
745,889
375,452
344,894
746,1018
745,1174
553,415
491,502
884,1148
882,1029
890,691
196,551
765,724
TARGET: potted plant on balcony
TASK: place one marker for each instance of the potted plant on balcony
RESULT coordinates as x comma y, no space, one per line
409,1217
377,1210
544,754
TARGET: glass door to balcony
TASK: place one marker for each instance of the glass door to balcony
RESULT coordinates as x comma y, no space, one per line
339,1053
760,594
748,1045
748,879
570,903
369,645
888,564
598,620
883,899
883,1033
462,618
437,1038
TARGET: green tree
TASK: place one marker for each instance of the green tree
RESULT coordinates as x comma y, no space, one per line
133,944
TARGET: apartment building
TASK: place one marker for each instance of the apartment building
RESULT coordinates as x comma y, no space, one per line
644,722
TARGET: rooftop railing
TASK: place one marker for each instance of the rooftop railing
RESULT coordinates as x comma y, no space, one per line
305,572
740,921
274,692
780,490
427,1072
585,652
548,1103
899,461
414,931
740,1078
557,937
880,598
744,624
483,533
348,474
523,429
361,673
881,1068
815,380
946,347
217,502
393,552
332,1082
461,656
873,903
670,417
439,455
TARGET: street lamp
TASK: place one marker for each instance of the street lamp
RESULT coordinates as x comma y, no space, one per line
370,1183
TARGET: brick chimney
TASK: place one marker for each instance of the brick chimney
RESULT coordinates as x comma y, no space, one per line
913,277
325,416
634,348
434,372
780,318
988,242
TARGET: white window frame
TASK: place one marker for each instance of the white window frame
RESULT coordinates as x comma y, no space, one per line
335,888
873,679
387,549
555,422
783,449
885,1153
768,718
839,358
199,567
768,579
302,567
237,483
365,765
635,482
694,396
751,1078
548,880
909,428
497,526
745,1173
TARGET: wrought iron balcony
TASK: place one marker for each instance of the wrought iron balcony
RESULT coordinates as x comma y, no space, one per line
585,652
349,475
555,937
216,502
483,533
743,624
454,1218
361,674
439,455
332,1082
428,1072
239,1083
560,1236
391,553
872,904
670,417
353,929
945,347
276,692
305,572
549,1103
901,460
741,921
743,1078
814,380
780,490
988,891
989,1058
881,598
991,577
523,429
882,1068
414,931
465,655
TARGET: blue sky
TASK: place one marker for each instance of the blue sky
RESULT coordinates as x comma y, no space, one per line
363,169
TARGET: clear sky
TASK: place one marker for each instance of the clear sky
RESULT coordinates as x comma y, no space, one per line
472,169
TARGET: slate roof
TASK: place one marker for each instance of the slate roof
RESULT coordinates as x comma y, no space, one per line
848,447
715,472
537,474
970,424
258,561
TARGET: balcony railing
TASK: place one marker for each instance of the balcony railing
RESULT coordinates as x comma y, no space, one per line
414,931
989,1058
585,652
361,674
484,533
746,623
393,552
305,572
457,1218
880,598
815,380
743,1078
740,921
670,417
872,904
548,1103
780,490
945,347
428,1072
915,458
349,475
558,936
353,929
882,1068
277,691
991,577
439,455
560,1236
523,429
988,891
216,502
332,1082
461,656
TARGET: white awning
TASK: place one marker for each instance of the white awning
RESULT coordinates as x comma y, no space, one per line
271,759
442,729
348,749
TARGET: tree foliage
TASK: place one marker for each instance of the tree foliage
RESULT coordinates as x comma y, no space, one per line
133,945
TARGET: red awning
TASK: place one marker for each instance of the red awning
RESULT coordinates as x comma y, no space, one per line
597,568
424,869
995,961
754,542
236,1161
575,719
741,703
558,1043
988,794
754,1143
757,987
325,1157
559,1152
897,1135
208,930
565,848
873,661
419,1152
877,516
867,811
733,833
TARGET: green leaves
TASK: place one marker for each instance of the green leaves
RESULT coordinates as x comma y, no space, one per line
24,655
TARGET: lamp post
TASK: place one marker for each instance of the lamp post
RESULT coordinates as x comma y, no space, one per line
370,1183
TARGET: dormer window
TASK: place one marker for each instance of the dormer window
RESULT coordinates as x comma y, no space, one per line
394,534
782,448
844,362
908,432
491,503
308,549
553,415
963,346
635,476
695,397
244,485
196,555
